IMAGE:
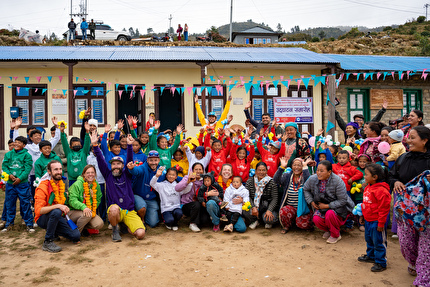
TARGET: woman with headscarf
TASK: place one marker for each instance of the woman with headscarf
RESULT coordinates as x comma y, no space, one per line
295,146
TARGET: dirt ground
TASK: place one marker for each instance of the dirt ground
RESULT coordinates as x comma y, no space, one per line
164,258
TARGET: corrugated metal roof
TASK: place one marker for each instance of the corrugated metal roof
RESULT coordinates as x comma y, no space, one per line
142,53
381,63
259,30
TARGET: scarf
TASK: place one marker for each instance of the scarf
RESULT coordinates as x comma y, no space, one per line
259,189
223,184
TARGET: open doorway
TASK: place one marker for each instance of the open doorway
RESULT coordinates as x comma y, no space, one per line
169,107
130,103
2,116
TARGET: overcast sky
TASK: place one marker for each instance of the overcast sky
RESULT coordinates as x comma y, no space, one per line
53,15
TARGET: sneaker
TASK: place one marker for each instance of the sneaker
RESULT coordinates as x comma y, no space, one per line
175,228
6,229
365,258
50,246
110,226
326,235
333,240
169,227
30,229
362,229
268,226
223,204
35,225
254,224
228,227
395,236
223,218
377,268
194,227
216,228
115,234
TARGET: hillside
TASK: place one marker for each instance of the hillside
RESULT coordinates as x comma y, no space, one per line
224,30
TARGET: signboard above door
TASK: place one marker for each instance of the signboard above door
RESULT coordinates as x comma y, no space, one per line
393,96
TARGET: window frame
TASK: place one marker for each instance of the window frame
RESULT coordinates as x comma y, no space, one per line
30,98
89,99
418,100
209,99
265,97
366,104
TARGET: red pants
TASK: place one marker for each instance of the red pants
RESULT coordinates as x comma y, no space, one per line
330,222
288,214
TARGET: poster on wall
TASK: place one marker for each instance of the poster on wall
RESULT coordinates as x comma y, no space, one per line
59,104
298,110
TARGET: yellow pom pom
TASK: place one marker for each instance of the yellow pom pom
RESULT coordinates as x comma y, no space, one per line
5,176
61,123
82,114
359,185
271,136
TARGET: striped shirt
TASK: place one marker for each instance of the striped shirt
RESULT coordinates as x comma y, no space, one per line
292,195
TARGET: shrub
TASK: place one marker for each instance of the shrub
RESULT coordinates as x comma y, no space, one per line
315,39
425,34
388,28
421,19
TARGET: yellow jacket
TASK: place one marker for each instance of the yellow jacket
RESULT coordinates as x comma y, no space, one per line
182,163
218,123
396,150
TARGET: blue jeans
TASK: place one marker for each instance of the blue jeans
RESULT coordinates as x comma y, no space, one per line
214,212
84,34
21,191
151,216
376,242
56,225
171,218
186,35
71,35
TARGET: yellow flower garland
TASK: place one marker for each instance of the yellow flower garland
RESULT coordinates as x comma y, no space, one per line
87,197
59,190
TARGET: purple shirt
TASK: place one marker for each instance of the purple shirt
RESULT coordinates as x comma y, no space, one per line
188,197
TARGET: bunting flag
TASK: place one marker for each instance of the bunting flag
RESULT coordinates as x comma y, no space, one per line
182,90
77,78
212,78
286,83
425,76
74,93
320,79
385,74
43,91
190,90
10,79
299,81
400,74
209,89
306,82
126,87
378,75
330,125
49,78
422,76
142,94
203,80
116,87
15,78
392,74
281,77
60,78
134,87
17,90
120,93
247,87
65,92
358,76
407,74
194,90
252,78
161,90
230,87
107,92
26,79
347,76
275,83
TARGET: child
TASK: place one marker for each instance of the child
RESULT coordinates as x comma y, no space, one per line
138,155
257,158
219,153
76,155
18,163
345,170
240,161
357,197
271,157
180,162
198,156
209,184
375,207
234,211
44,159
170,200
150,120
114,147
397,148
159,143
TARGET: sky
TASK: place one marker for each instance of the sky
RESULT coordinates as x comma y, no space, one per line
49,16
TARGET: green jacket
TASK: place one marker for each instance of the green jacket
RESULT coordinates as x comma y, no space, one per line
18,163
42,162
76,160
76,194
165,154
145,148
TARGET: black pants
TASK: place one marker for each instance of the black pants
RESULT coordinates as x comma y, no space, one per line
196,212
93,34
55,224
232,217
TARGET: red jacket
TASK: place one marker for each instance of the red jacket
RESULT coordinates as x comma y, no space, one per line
376,203
218,158
346,172
271,160
241,167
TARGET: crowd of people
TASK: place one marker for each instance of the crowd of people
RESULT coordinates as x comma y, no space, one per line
229,177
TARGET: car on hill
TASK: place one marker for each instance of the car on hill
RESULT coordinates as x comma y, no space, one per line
103,32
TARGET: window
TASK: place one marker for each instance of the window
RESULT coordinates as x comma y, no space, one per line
31,99
412,100
215,102
358,103
89,96
262,100
303,93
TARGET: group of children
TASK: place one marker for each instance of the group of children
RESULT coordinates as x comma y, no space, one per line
25,164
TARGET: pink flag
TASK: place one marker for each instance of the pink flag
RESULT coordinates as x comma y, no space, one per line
36,90
61,78
218,82
229,82
172,89
16,78
378,75
131,95
109,83
120,93
267,85
55,90
241,79
221,77
262,77
281,77
152,87
392,74
190,90
96,81
407,73
425,76
97,92
364,76
134,86
38,79
422,76
401,76
298,84
142,93
74,92
17,90
85,79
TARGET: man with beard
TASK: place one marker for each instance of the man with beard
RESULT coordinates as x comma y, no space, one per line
212,123
264,124
120,197
50,200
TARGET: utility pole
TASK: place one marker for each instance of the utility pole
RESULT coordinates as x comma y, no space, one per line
426,6
170,24
231,21
83,9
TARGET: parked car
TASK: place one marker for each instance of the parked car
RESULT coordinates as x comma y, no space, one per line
103,32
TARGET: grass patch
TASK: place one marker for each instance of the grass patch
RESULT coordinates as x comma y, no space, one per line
239,237
209,236
51,271
155,231
41,279
87,248
76,258
266,233
27,274
27,247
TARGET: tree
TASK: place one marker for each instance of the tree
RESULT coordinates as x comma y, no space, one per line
421,19
321,34
149,31
295,29
136,33
279,28
53,37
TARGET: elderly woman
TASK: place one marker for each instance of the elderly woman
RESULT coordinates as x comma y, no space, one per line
326,192
291,182
84,198
370,144
415,119
295,146
352,132
414,244
263,194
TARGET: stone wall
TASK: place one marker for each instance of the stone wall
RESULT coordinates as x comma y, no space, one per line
414,82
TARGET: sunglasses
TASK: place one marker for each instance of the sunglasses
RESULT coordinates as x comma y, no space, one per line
153,154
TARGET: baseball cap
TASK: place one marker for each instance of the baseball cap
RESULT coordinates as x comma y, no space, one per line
116,158
153,153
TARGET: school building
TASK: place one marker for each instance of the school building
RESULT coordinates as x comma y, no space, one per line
47,81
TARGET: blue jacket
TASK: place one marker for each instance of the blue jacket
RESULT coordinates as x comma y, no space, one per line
140,156
142,175
108,154
84,25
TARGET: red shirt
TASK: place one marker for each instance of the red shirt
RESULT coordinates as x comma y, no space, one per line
346,172
271,160
241,167
376,203
218,158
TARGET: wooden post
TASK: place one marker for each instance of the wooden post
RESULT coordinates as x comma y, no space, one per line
332,94
70,64
202,80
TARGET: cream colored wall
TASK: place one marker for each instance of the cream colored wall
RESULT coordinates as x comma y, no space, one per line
150,77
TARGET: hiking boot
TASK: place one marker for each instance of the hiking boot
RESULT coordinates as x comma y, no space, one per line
365,258
377,268
326,235
216,228
194,227
333,240
223,204
223,218
50,246
254,224
30,229
115,234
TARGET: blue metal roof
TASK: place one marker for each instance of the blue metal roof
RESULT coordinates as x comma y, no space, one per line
381,63
145,53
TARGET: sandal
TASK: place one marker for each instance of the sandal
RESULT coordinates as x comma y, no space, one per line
412,271
284,231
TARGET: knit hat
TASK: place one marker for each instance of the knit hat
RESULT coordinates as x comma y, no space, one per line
276,144
396,135
200,149
93,122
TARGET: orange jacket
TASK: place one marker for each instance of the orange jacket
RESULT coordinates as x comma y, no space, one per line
41,198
